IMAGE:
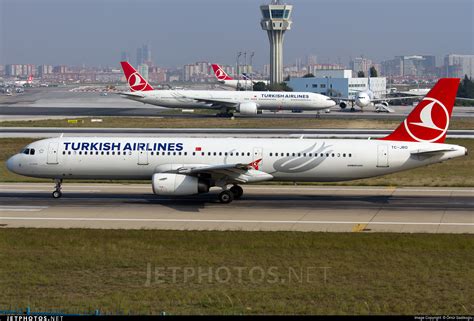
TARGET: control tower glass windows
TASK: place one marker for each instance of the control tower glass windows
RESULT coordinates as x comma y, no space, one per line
266,13
277,14
287,13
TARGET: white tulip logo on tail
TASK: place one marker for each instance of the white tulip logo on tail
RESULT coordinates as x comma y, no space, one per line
220,74
430,124
136,82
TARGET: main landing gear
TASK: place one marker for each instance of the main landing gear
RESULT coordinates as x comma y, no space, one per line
228,195
57,189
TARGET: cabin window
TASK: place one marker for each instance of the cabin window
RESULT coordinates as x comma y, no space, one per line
344,155
248,154
69,153
215,154
64,152
271,154
293,155
174,153
108,153
202,153
350,155
327,154
225,154
118,153
338,155
332,155
151,153
185,153
194,153
80,153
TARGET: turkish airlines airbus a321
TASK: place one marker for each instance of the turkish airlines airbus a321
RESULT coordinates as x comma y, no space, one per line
245,102
186,166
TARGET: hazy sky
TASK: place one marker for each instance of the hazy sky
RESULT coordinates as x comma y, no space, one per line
94,32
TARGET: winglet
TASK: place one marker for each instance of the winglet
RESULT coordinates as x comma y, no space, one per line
220,73
135,81
255,163
429,120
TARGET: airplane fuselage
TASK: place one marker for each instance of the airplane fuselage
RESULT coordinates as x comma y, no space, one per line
266,100
311,160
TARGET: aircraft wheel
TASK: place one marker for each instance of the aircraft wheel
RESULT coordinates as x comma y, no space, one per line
226,197
57,194
237,191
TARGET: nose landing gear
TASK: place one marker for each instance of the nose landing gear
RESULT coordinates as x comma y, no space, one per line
57,189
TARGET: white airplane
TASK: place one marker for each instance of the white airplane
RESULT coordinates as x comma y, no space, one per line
29,81
366,97
226,80
186,166
244,102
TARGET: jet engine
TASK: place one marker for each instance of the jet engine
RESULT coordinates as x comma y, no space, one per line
383,103
248,108
343,104
178,184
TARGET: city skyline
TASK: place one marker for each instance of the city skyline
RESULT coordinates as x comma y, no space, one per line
97,32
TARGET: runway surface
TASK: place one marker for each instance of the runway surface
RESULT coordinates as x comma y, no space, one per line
148,110
290,208
208,132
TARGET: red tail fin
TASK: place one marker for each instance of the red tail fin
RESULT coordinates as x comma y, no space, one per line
429,120
135,81
220,73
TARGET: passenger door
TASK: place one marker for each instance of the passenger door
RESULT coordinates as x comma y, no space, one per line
52,156
382,156
142,157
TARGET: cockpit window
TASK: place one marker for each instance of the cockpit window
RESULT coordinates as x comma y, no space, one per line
32,151
26,151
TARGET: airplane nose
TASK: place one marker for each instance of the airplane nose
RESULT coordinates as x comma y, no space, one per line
12,164
331,103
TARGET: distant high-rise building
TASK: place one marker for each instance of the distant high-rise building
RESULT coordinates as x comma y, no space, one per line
44,70
124,56
361,64
143,70
24,70
410,66
459,65
144,55
139,56
311,60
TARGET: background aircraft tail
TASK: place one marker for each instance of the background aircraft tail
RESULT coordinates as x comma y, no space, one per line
135,81
220,73
429,120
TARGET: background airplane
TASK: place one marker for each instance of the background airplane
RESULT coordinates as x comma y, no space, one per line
245,83
244,102
186,166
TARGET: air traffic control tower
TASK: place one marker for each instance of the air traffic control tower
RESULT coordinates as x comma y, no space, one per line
276,20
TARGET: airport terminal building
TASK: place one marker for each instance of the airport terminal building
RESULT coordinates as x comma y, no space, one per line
338,83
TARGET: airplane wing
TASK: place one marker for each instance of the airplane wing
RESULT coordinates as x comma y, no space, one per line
215,102
466,99
239,173
375,100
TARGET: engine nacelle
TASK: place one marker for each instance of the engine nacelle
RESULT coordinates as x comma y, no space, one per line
177,184
383,103
343,104
248,108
